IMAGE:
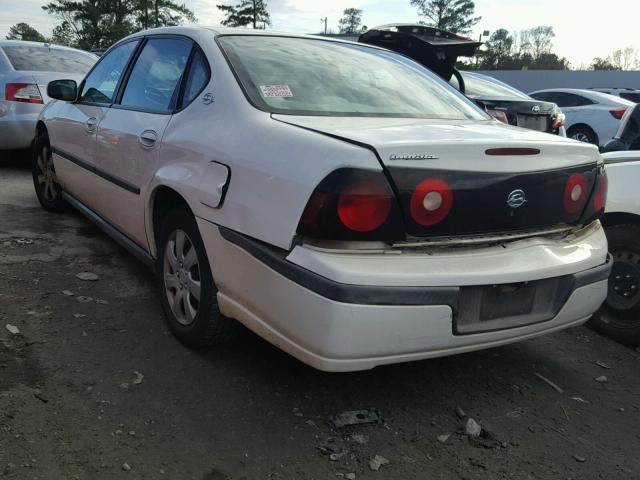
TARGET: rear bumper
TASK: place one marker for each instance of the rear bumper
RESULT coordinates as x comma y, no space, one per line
17,131
340,326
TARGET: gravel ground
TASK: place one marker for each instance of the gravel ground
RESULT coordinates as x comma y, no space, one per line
100,390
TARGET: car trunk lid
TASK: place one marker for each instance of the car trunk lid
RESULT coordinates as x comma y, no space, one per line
436,49
502,178
42,79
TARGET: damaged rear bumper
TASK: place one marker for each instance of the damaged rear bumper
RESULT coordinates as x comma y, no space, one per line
302,303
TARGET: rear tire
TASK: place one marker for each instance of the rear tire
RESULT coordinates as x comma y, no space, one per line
187,289
45,182
582,133
619,316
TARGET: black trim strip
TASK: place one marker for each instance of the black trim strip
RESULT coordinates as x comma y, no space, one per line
119,237
341,292
595,274
275,259
93,169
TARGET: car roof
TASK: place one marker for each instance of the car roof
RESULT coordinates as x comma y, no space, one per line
626,89
591,94
219,31
26,43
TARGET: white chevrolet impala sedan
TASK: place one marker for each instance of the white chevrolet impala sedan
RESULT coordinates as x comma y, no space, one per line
338,199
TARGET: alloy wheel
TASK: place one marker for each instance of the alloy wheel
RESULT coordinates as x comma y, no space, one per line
624,281
181,273
46,174
581,137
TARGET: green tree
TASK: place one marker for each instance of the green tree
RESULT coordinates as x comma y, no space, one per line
550,61
100,23
530,48
603,64
351,21
247,12
159,13
624,58
497,49
455,16
24,31
540,38
63,34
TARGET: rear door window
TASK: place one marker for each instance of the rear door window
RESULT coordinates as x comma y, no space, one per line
563,99
155,78
44,59
633,96
100,85
579,100
197,78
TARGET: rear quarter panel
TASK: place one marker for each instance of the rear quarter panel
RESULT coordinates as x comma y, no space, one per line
274,167
597,117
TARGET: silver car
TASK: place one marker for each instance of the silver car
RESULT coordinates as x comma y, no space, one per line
25,70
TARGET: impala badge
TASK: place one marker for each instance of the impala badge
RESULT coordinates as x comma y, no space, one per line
208,98
516,198
535,109
413,157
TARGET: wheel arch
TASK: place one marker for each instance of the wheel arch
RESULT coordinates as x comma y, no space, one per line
620,218
163,199
40,127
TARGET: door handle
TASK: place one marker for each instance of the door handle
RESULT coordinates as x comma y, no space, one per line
91,124
148,138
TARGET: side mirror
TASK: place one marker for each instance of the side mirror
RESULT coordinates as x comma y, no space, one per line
66,90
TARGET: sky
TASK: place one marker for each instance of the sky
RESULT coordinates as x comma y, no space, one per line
584,28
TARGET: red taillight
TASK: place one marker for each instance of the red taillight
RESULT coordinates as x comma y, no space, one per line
499,115
363,207
431,202
353,204
600,195
512,151
22,92
559,120
575,193
618,112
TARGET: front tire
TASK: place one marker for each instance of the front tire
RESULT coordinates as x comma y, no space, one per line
619,316
187,289
45,181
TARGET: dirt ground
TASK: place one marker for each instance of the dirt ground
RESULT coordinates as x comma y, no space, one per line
100,390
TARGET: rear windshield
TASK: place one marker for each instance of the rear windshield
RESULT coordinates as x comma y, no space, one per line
316,77
489,88
43,59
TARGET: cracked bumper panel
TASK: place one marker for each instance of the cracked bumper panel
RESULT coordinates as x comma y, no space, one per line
330,332
517,261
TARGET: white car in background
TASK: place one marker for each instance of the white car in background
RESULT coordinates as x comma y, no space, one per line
336,198
590,116
631,94
25,70
619,316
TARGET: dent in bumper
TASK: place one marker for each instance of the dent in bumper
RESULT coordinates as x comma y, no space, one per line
339,336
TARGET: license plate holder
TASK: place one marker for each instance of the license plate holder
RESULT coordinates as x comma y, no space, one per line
533,122
506,300
487,308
